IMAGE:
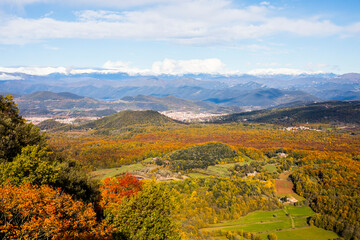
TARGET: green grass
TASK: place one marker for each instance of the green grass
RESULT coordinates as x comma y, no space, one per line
303,234
257,217
219,170
264,222
299,211
111,172
270,167
258,221
197,175
300,222
262,227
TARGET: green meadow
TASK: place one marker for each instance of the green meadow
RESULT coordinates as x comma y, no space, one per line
287,223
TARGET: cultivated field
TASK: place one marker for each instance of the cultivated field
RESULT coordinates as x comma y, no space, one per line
287,223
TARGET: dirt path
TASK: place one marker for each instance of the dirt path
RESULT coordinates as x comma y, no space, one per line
291,217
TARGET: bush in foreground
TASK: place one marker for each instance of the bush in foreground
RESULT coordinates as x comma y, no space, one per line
40,212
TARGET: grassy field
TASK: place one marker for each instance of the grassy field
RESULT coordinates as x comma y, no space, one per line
270,167
197,175
219,170
300,222
299,211
261,227
256,217
304,234
282,222
110,172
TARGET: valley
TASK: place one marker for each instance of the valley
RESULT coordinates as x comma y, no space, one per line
179,120
266,154
227,178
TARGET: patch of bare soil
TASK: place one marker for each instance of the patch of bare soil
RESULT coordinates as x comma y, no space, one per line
284,187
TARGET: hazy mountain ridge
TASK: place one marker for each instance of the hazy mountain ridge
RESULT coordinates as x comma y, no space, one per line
69,104
233,90
343,112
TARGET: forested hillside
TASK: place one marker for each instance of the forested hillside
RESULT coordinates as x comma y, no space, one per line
125,119
324,112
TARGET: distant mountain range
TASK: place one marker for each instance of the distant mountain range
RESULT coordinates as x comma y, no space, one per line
245,91
334,112
46,103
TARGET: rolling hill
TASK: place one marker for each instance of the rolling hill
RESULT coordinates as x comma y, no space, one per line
46,103
47,95
173,103
261,97
51,124
130,118
325,112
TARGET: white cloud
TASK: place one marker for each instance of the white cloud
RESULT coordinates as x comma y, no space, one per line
92,3
40,71
101,15
265,3
166,66
48,14
4,77
186,21
120,66
179,67
170,66
280,71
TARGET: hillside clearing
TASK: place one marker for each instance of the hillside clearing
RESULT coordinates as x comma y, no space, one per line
282,222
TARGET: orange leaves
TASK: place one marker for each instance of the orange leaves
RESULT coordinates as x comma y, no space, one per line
42,212
115,188
110,151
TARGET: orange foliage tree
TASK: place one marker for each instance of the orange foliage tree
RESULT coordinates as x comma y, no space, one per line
115,188
40,212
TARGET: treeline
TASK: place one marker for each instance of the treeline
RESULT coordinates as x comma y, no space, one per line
201,156
330,181
204,201
323,112
131,145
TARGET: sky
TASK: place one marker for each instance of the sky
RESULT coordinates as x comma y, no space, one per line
179,36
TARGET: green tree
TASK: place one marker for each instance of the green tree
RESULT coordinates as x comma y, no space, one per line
15,133
25,157
73,180
33,165
145,215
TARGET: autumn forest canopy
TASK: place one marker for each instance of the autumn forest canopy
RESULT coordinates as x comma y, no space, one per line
141,175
